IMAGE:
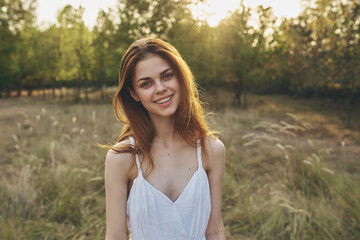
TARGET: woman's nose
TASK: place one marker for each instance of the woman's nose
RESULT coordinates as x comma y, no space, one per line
160,87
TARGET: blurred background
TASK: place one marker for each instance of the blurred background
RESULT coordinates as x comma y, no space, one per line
281,83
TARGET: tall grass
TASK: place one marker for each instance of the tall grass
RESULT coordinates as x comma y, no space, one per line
278,183
282,187
51,182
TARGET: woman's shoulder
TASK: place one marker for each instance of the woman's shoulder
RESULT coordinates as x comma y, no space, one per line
215,145
215,150
119,159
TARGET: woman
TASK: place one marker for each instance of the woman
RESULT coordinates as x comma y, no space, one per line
164,176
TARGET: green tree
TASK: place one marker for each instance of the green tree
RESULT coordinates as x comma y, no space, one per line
323,51
347,50
195,41
75,50
106,56
7,49
47,56
235,39
265,75
150,17
16,21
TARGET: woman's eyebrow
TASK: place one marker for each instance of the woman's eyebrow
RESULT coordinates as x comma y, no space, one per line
148,78
143,79
165,71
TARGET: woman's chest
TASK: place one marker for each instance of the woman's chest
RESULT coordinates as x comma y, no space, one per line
173,171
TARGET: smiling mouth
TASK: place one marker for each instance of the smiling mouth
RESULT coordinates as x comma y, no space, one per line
164,100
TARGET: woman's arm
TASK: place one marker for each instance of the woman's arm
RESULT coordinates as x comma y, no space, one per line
215,172
117,168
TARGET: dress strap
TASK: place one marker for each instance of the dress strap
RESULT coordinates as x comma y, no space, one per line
132,141
198,150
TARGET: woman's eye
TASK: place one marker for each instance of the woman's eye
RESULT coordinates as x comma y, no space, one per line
145,84
167,76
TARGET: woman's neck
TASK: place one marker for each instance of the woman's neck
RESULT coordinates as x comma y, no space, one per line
164,131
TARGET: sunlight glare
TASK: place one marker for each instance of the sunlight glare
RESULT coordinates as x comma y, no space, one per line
211,10
48,10
215,10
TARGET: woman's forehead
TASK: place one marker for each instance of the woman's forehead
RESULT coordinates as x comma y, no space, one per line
150,66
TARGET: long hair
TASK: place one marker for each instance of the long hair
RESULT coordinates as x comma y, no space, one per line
189,118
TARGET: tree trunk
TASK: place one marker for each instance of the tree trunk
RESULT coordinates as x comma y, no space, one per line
85,82
7,92
66,93
86,94
53,87
18,91
61,93
348,109
102,93
78,91
237,97
43,92
106,92
238,88
102,96
245,97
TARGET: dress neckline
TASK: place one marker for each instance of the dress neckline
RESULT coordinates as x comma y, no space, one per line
182,192
141,177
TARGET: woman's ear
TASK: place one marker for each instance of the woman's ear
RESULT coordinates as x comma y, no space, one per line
133,94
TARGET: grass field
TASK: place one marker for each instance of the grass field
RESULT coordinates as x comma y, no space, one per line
292,169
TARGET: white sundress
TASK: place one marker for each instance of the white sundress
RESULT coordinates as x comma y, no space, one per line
154,216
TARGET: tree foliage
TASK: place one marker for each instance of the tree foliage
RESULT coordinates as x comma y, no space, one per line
314,54
16,21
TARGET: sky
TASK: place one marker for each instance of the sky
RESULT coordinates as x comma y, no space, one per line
47,10
218,9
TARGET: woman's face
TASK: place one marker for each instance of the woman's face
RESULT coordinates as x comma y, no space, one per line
156,86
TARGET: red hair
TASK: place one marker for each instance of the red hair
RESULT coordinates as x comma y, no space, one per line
189,118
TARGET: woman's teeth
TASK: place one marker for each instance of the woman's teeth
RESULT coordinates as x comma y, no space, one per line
163,100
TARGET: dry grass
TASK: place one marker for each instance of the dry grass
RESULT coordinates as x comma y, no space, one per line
286,177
